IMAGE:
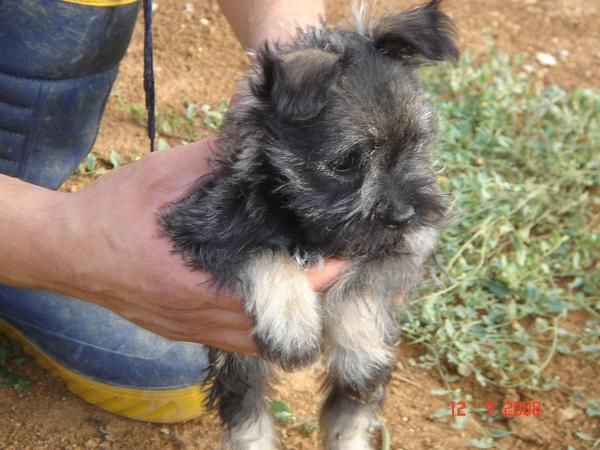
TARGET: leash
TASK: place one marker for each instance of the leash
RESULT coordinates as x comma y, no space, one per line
149,74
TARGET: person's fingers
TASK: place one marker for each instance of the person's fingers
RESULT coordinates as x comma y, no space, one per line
234,332
229,340
186,288
226,299
322,277
210,319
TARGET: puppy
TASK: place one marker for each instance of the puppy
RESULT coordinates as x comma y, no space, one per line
325,153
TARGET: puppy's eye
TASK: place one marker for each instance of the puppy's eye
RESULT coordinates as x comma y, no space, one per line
348,164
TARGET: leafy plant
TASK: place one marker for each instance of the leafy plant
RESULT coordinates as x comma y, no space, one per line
213,118
181,125
522,163
284,416
11,356
115,158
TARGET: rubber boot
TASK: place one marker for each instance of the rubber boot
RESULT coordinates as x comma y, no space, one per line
58,61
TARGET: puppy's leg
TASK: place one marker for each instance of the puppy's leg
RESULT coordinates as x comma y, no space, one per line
362,330
238,393
286,309
348,423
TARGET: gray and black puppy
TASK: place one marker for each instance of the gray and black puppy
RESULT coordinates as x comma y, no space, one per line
325,153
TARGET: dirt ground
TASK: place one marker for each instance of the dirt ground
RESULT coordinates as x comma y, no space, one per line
198,60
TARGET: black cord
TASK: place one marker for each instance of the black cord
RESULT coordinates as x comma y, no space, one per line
149,73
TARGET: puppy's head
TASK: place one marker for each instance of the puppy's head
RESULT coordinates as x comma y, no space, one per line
346,129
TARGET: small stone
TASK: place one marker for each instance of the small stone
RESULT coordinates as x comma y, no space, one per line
569,413
154,6
92,443
189,8
463,369
405,419
527,429
545,59
165,430
588,74
511,395
204,21
563,53
456,442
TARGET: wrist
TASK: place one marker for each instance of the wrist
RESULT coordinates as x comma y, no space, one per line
26,233
60,227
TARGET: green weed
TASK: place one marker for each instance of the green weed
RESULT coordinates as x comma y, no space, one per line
288,422
92,165
11,357
522,163
181,125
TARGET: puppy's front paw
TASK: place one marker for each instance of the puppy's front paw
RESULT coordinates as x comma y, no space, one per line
286,309
289,328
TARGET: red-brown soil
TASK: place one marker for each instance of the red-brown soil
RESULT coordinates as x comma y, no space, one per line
198,60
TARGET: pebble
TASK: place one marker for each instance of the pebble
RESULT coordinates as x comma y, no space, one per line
563,53
189,7
463,369
165,430
569,413
545,59
92,443
204,21
154,6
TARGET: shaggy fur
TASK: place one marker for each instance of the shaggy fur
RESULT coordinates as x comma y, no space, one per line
326,152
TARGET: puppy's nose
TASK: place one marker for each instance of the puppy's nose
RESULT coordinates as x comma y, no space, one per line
399,216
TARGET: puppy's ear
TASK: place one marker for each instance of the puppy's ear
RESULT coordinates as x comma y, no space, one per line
422,33
300,81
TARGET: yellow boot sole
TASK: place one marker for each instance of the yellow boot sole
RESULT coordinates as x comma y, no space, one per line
160,406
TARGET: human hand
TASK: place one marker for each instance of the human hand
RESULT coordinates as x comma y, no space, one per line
112,253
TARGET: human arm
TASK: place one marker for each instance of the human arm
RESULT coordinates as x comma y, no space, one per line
102,244
256,21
